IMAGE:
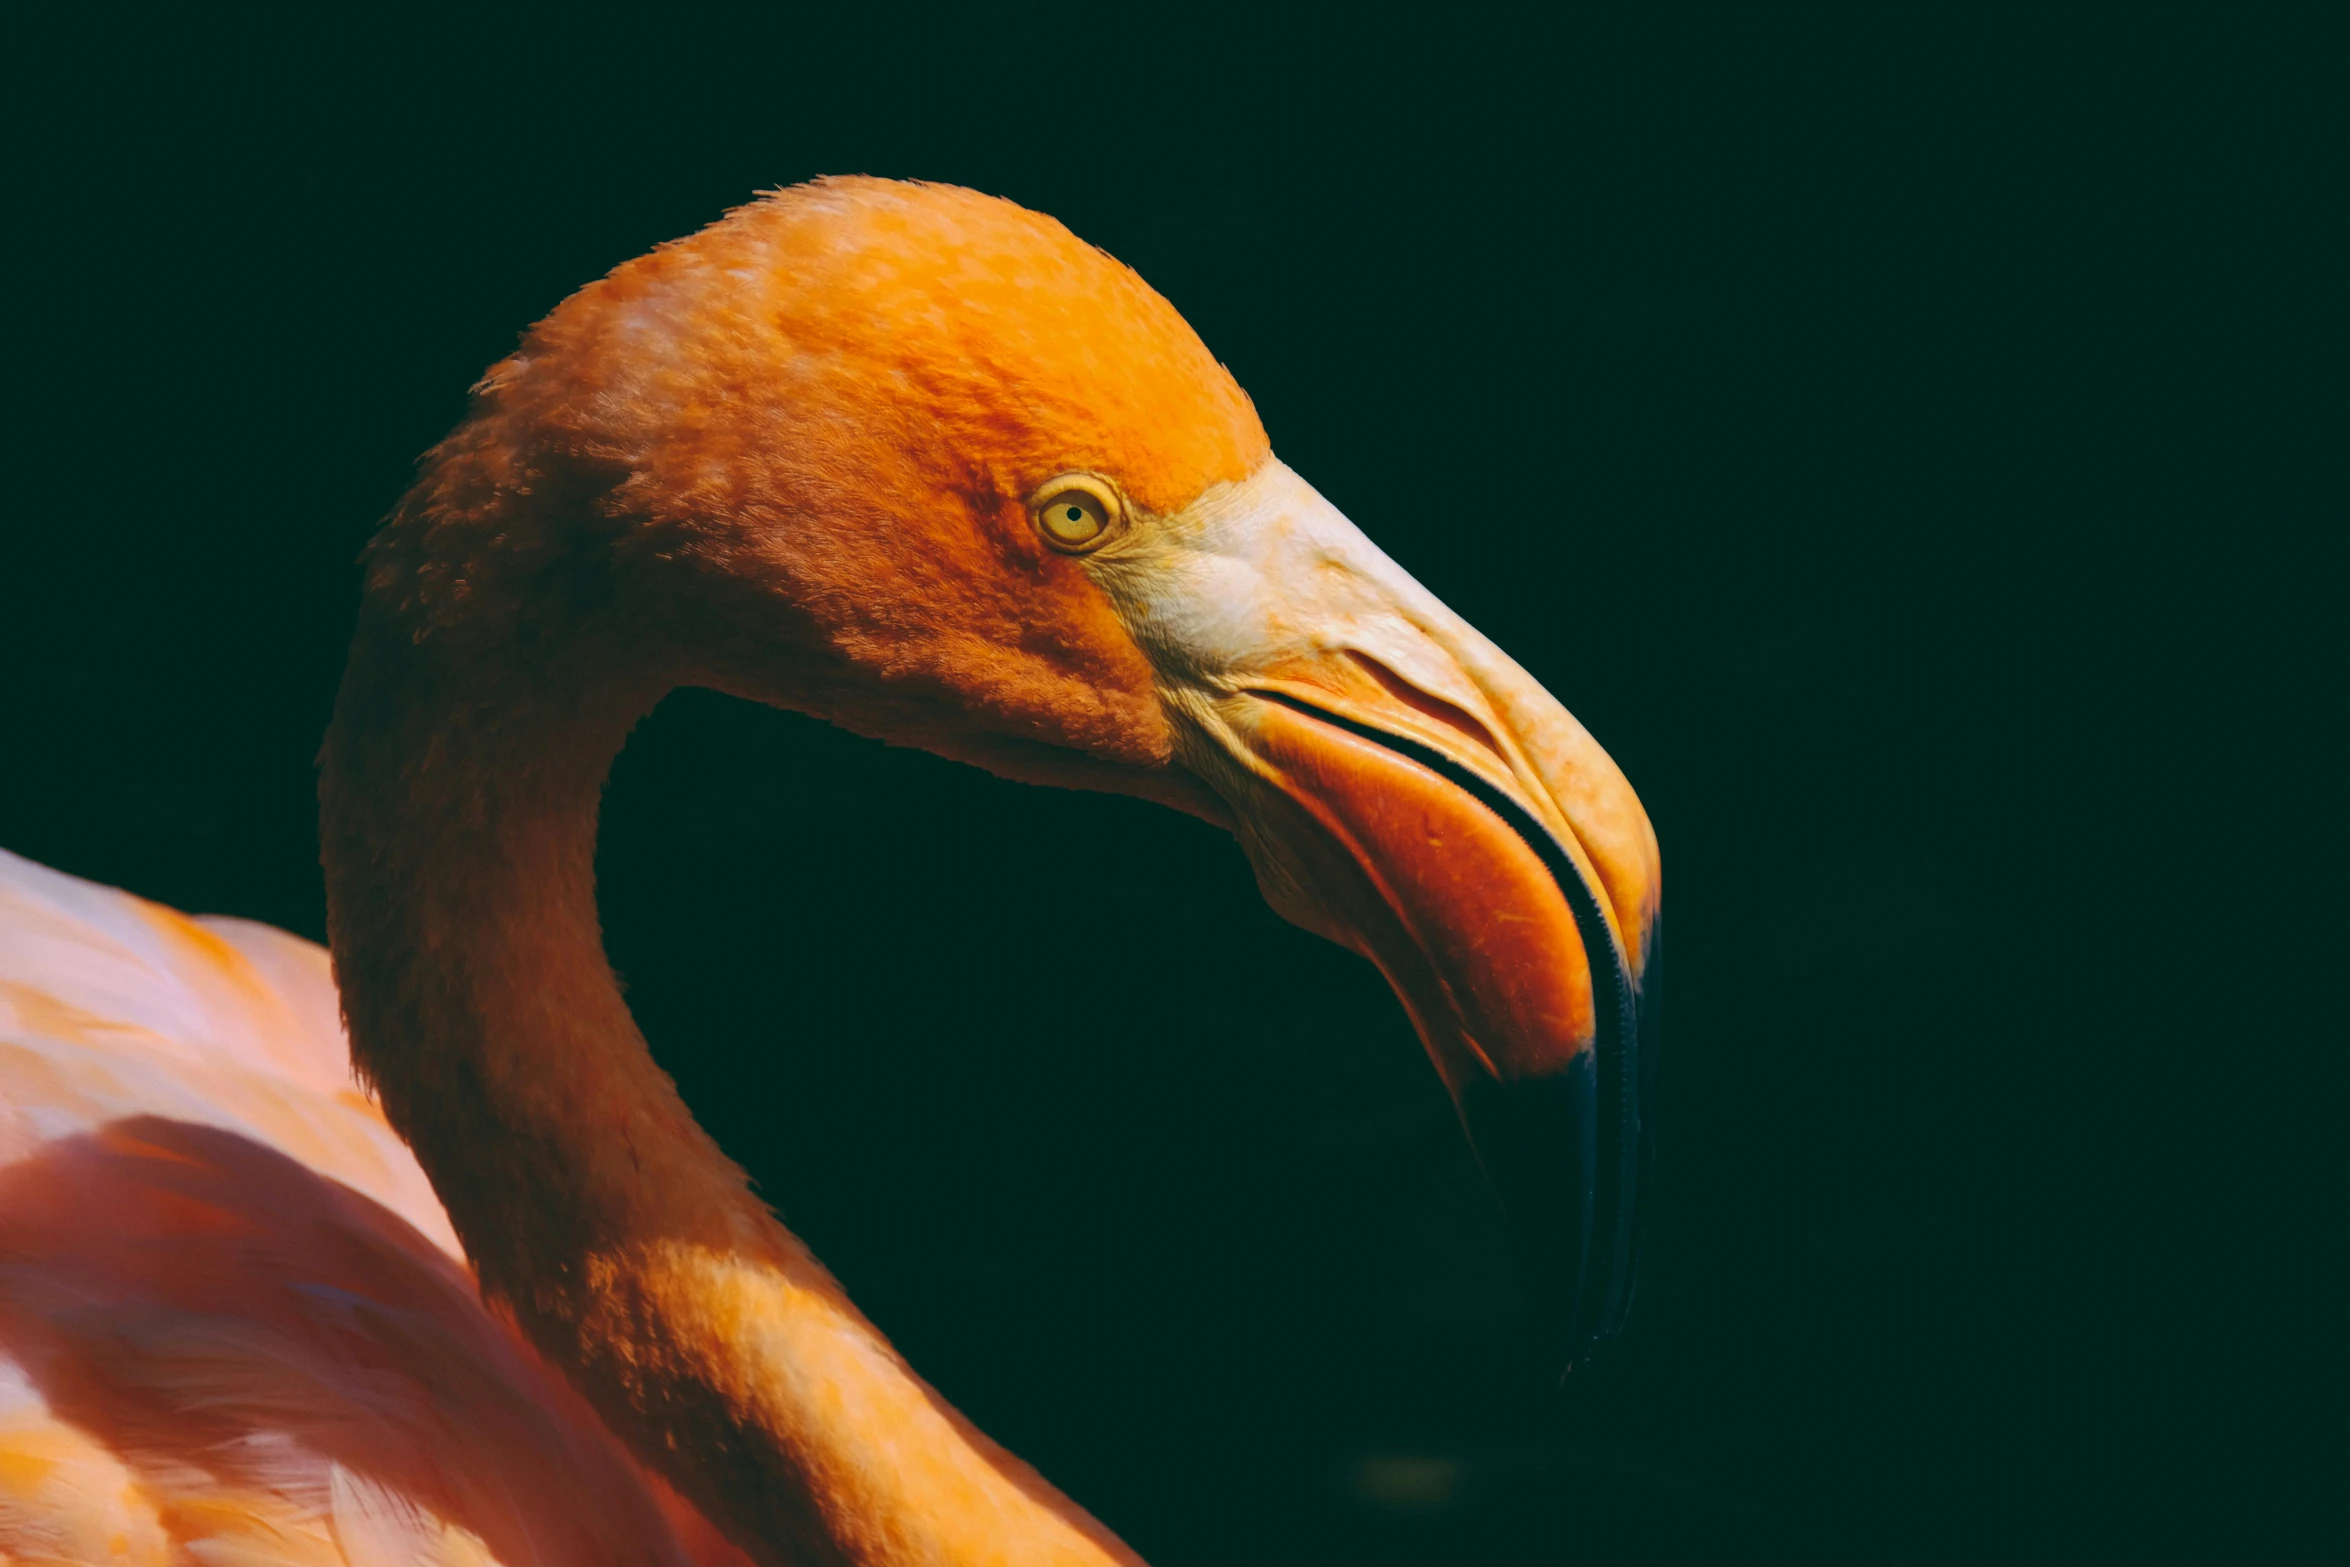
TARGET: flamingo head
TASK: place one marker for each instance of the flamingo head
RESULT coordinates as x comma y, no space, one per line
923,463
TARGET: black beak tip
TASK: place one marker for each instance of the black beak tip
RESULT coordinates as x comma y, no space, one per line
1569,1156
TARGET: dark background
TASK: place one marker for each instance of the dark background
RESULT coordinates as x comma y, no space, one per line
1901,442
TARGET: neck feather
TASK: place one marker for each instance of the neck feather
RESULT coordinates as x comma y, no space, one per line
459,810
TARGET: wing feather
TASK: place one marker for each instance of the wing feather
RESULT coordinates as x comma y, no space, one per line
235,1326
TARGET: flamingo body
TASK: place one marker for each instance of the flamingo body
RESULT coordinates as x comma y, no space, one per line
235,1326
911,459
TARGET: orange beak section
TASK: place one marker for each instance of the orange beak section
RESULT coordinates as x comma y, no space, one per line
1415,835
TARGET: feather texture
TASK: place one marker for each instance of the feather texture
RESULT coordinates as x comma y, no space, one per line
235,1326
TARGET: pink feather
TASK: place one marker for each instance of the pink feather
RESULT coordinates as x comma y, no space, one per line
235,1325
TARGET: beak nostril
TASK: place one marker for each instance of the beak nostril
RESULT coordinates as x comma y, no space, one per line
1435,708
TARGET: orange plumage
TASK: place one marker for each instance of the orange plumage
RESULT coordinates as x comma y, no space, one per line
798,457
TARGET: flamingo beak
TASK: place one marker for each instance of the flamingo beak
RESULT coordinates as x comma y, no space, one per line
1404,789
1405,836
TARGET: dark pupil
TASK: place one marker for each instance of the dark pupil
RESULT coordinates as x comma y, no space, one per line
1076,514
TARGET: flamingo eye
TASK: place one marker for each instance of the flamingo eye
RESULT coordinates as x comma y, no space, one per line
1076,512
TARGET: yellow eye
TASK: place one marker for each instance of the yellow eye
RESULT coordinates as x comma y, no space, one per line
1076,511
1074,519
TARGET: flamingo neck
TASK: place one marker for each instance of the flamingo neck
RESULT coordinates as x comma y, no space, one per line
458,832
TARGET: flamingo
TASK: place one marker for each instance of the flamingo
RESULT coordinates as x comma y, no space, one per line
423,1259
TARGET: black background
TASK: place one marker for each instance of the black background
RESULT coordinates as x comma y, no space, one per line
1893,439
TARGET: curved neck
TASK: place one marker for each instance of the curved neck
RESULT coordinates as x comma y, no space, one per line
458,836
